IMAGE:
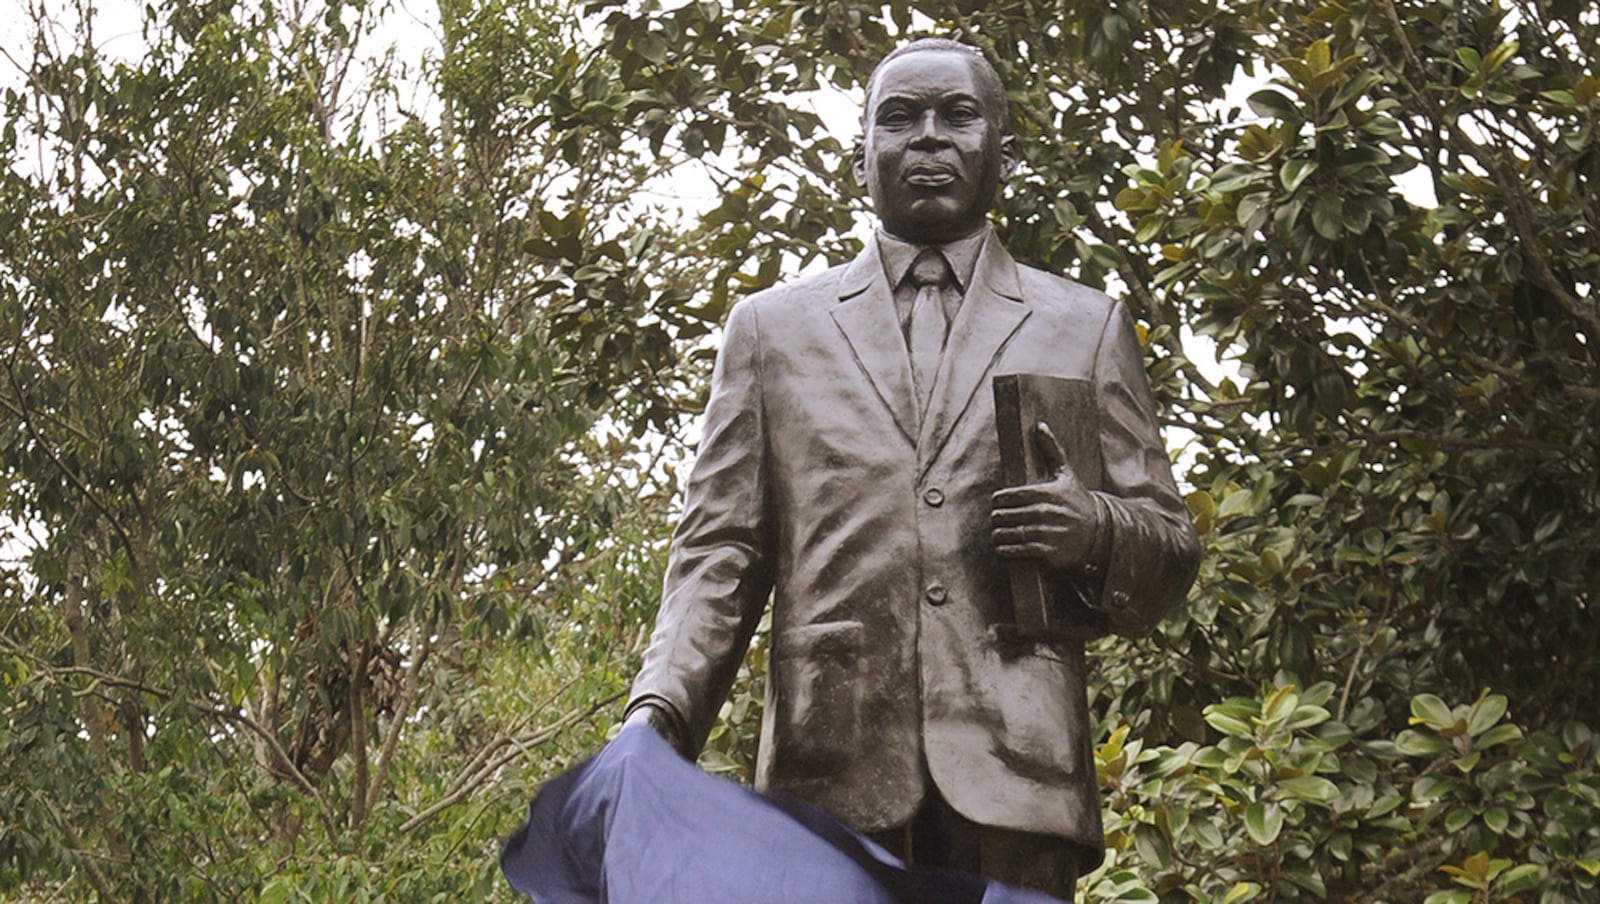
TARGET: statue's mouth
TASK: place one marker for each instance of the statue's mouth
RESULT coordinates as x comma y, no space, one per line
930,175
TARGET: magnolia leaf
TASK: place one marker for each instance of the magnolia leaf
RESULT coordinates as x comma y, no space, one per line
1294,172
1496,818
1311,788
1485,713
1327,216
1428,709
1263,821
1417,743
1274,105
1241,892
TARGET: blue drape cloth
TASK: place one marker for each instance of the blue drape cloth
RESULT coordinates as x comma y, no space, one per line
637,824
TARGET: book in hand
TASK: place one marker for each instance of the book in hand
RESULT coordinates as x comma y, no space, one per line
1046,604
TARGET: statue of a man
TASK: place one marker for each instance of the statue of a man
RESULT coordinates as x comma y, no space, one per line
849,468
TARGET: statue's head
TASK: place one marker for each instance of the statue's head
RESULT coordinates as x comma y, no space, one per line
935,141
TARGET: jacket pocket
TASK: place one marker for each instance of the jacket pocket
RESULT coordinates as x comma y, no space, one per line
817,697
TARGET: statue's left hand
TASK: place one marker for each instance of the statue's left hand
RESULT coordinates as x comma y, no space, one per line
1056,522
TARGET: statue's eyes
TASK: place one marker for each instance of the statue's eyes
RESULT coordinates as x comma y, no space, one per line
899,116
894,117
963,114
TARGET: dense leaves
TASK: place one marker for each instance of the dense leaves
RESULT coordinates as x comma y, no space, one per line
1289,803
325,489
338,415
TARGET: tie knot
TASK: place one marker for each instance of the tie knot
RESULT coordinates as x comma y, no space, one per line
931,269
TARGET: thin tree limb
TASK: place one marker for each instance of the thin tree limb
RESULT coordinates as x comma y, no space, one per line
467,786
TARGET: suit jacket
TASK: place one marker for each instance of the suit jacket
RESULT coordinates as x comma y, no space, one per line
817,482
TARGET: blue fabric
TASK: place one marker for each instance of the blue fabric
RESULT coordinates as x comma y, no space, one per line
637,824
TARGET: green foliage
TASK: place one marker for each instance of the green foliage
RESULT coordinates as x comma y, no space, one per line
331,496
339,416
1292,804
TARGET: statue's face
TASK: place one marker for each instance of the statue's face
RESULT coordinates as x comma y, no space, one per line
934,152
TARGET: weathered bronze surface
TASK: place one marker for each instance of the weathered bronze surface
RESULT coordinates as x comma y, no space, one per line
881,531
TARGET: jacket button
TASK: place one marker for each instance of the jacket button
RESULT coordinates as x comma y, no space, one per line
936,594
934,497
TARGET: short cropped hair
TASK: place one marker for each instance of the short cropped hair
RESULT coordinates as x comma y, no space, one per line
989,86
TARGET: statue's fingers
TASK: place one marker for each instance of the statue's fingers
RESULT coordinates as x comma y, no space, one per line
1025,535
1036,514
1024,551
1023,496
1009,536
1047,535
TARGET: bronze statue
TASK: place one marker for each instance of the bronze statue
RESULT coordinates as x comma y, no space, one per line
849,467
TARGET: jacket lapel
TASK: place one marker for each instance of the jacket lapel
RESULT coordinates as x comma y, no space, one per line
865,314
989,316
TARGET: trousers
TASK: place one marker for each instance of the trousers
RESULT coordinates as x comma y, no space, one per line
938,836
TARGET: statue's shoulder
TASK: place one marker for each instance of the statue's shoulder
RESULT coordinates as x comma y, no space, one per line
1051,293
796,295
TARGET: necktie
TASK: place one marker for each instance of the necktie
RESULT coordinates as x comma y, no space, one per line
930,273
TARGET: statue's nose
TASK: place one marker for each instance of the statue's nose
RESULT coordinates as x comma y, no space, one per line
930,132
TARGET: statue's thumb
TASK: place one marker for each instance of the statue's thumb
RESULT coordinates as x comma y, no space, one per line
1050,450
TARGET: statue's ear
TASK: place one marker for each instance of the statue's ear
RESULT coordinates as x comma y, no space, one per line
858,162
1008,156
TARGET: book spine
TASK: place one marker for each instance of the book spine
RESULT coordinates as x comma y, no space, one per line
1030,598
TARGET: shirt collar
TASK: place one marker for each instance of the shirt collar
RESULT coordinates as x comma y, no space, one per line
962,255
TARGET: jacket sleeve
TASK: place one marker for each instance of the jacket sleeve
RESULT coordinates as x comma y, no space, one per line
1154,552
719,571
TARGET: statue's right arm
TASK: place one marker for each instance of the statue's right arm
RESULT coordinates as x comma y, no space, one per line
719,572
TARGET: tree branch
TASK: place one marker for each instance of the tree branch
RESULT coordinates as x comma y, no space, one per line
397,721
467,784
96,878
1413,862
358,732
